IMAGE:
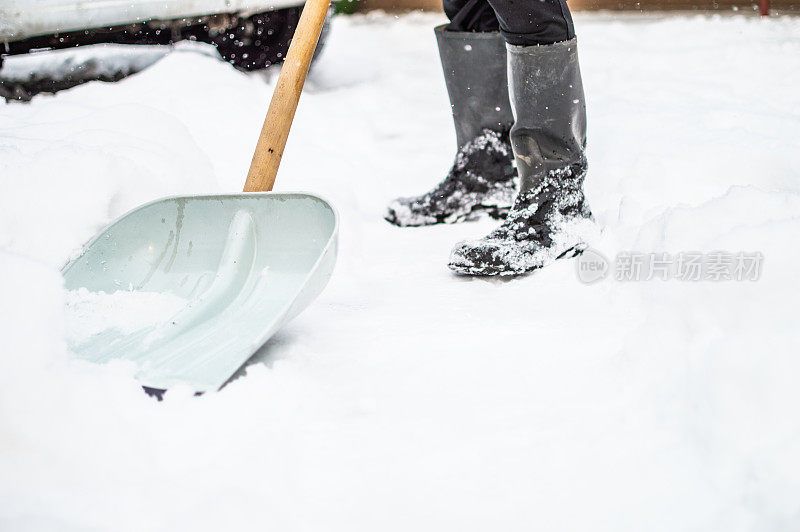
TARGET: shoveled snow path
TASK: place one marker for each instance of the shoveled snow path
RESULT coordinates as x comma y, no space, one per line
406,398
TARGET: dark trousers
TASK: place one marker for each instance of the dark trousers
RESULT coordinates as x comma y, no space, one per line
522,22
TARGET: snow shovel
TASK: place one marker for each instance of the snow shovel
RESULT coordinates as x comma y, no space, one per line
239,265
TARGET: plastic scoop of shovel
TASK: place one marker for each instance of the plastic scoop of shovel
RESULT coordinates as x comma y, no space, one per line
245,264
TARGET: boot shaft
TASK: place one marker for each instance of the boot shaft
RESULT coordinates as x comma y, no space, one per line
475,73
549,133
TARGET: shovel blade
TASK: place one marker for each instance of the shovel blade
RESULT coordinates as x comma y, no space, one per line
240,266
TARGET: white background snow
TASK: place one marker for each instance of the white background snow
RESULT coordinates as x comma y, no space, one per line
406,398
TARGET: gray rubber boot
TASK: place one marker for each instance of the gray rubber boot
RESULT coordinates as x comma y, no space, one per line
482,179
550,218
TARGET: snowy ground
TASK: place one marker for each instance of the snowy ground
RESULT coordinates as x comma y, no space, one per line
406,398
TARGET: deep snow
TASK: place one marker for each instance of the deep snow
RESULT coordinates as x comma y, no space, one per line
406,398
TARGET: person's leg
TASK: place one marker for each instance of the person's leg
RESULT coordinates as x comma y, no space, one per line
550,218
470,15
534,22
482,179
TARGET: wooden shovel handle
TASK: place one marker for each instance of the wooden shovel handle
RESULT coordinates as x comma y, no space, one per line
275,130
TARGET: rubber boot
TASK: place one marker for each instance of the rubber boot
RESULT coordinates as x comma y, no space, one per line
482,179
550,218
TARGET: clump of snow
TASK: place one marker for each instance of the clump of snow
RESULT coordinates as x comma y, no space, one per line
90,313
24,76
406,398
465,193
547,222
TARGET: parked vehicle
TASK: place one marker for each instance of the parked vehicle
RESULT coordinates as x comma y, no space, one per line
250,34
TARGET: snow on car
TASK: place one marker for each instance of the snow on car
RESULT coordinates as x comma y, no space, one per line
251,34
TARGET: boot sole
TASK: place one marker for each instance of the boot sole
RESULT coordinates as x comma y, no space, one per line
477,212
492,271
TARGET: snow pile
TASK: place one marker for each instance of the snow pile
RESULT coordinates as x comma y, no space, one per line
407,398
90,313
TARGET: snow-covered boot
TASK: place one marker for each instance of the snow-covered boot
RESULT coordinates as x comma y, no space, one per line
550,218
482,179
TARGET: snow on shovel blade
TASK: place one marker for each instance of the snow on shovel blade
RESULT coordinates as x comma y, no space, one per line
190,287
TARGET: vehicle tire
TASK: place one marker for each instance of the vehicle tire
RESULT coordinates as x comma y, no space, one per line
261,40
